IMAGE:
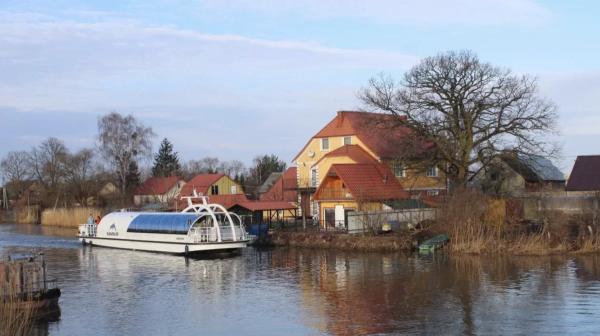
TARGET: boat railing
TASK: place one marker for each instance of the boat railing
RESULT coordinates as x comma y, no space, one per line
227,234
87,230
203,234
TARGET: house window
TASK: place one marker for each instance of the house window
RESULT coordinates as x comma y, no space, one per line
432,171
325,144
233,189
214,189
347,140
313,178
433,192
399,170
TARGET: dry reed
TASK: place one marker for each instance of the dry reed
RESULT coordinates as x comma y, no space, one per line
68,217
16,316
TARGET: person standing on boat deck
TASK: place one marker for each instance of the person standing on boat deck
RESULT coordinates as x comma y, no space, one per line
90,219
97,220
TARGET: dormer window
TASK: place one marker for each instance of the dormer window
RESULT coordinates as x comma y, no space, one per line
347,140
432,171
325,144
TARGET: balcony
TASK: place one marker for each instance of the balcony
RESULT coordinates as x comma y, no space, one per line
335,194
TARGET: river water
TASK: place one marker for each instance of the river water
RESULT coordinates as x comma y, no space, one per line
285,291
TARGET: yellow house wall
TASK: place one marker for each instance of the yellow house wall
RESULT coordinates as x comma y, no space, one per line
371,206
418,179
225,184
304,163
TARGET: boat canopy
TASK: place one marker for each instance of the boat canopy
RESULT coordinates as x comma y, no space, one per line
171,223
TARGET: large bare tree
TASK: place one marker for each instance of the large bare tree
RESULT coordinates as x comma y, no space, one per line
123,140
46,162
463,112
80,175
15,170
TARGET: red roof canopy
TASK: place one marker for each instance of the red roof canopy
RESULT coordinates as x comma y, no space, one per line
367,181
157,185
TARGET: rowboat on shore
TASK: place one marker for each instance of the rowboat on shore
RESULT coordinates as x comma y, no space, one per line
200,227
434,243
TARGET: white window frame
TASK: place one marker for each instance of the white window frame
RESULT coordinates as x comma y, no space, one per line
323,140
435,172
433,192
313,177
349,140
402,172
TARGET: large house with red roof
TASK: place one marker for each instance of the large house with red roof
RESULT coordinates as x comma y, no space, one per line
158,190
353,162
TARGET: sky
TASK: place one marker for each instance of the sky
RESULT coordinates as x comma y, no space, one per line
238,78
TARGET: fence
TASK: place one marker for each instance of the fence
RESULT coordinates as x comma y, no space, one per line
356,222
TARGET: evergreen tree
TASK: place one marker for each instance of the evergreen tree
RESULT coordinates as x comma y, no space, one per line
166,162
132,179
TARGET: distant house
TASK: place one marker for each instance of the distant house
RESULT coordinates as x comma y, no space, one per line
513,173
356,187
585,176
158,190
211,184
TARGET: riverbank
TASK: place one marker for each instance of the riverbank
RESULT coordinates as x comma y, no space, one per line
342,241
526,244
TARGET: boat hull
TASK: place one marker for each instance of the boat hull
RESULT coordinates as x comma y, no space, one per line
179,248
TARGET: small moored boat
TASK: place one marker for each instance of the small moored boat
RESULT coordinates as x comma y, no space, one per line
201,227
434,243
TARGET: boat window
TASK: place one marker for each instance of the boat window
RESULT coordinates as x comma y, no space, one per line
162,223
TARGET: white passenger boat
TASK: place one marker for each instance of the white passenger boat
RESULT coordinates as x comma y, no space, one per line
201,227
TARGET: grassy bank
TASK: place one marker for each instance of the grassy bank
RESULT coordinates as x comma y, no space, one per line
475,226
358,242
68,217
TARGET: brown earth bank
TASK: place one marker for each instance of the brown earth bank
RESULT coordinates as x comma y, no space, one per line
355,242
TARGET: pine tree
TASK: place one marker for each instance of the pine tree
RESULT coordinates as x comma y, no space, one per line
166,162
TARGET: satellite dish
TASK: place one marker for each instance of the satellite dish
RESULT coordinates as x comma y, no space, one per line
311,154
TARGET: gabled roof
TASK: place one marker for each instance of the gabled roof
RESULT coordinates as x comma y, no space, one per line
533,168
157,185
367,181
271,179
267,205
201,183
379,132
586,174
284,189
355,152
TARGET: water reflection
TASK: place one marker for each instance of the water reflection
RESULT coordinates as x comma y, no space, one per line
306,292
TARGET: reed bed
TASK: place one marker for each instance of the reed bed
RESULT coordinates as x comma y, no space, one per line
28,215
68,217
16,316
476,226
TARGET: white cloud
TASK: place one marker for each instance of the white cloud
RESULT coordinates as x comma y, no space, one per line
429,12
56,64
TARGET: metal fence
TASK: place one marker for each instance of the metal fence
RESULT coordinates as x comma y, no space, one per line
356,222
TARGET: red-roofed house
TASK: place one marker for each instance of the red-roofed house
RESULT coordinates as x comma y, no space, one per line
356,187
212,184
158,190
585,176
358,138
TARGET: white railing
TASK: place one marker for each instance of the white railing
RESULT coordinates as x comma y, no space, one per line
203,234
87,230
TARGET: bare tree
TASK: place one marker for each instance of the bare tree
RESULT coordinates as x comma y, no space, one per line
123,140
15,170
462,112
46,162
79,175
